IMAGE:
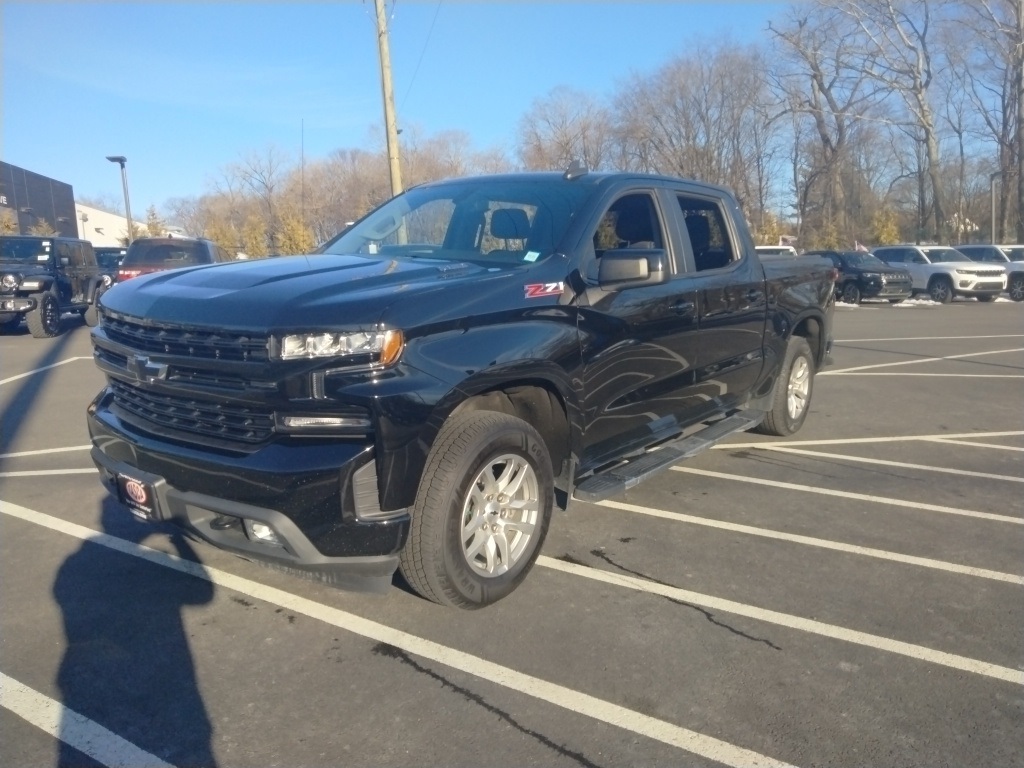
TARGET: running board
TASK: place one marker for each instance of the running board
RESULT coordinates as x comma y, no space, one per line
622,476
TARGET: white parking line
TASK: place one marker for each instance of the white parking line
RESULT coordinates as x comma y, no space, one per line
76,730
921,653
919,362
901,464
38,370
972,444
851,440
838,546
38,472
857,496
933,338
44,451
552,693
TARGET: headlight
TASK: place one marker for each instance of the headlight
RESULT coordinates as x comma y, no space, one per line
9,282
871,275
31,285
381,347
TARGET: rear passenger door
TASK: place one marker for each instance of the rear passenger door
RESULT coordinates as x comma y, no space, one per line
732,305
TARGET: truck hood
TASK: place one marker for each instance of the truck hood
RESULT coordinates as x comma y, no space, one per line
292,292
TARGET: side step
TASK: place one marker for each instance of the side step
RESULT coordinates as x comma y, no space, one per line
622,476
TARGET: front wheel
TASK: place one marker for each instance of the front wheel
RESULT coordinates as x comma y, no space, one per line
44,320
481,512
1016,287
941,290
791,397
851,293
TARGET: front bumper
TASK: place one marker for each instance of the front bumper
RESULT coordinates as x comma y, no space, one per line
17,304
316,496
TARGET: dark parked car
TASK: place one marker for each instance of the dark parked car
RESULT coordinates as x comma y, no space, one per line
155,254
43,277
110,257
1009,256
864,276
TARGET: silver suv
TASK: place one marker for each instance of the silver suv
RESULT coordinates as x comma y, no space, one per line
943,272
1011,257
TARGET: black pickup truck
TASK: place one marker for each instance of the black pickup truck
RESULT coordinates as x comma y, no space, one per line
421,393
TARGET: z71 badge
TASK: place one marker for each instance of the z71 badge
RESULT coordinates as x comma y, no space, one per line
536,290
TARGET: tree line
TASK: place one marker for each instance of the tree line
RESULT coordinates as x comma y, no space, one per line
871,121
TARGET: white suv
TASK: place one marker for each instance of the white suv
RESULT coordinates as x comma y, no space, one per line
943,272
1010,256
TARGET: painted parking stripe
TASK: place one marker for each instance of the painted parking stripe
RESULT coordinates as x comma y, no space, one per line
838,546
933,338
857,496
918,362
877,642
901,464
852,440
552,693
44,451
38,472
972,444
39,370
76,730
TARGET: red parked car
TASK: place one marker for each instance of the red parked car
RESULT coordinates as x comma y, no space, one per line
155,254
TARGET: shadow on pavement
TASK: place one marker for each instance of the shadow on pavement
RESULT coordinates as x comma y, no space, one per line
128,666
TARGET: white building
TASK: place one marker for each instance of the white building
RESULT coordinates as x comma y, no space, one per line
104,228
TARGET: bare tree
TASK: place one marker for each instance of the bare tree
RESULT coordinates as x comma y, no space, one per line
563,126
898,38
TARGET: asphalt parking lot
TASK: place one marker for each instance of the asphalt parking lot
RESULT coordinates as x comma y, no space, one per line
851,596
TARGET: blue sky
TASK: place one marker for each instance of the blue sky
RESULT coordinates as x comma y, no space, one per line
183,89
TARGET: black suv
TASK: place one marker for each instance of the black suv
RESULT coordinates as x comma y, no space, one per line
43,277
155,254
862,275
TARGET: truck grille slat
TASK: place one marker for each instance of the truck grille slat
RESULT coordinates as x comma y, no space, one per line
212,419
184,341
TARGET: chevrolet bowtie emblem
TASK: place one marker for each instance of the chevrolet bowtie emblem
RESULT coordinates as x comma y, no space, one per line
144,369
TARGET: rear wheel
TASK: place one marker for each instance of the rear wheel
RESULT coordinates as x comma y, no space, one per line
1016,287
44,320
791,398
851,293
941,290
482,510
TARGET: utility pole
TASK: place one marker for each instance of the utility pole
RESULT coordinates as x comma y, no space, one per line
389,98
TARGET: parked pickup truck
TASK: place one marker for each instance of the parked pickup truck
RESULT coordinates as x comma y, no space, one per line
421,393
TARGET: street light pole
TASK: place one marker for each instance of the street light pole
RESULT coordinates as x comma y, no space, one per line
121,160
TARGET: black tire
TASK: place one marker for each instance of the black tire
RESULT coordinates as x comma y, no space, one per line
851,293
940,289
1015,287
454,554
44,320
791,397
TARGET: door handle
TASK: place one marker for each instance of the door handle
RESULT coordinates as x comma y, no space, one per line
754,295
684,307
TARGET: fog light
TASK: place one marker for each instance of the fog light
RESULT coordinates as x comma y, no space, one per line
261,532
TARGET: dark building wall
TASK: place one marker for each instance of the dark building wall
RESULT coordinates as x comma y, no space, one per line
32,199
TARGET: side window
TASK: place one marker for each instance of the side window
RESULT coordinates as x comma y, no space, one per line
78,255
892,256
64,254
709,237
632,221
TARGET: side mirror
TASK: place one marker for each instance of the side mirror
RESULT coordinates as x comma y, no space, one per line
65,261
626,268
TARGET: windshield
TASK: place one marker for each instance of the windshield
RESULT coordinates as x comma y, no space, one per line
864,260
27,250
940,255
1014,253
489,221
